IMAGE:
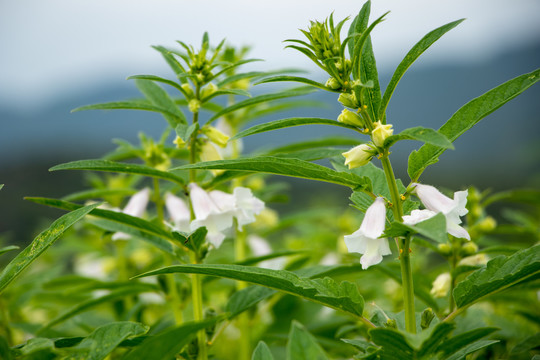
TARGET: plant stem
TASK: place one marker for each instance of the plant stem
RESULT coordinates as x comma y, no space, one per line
404,247
123,268
243,319
173,295
196,294
159,202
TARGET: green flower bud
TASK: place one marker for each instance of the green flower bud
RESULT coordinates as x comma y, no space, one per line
391,323
187,88
427,316
487,225
216,136
194,105
441,285
469,248
333,84
209,90
380,133
350,118
349,100
444,249
358,156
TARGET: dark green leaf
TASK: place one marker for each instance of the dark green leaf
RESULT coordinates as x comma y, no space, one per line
527,196
393,344
318,143
426,135
41,243
532,342
102,341
296,79
499,274
127,105
242,300
166,344
467,116
226,92
469,349
160,98
262,352
117,167
302,345
343,297
260,99
286,167
310,154
98,194
411,57
458,342
286,123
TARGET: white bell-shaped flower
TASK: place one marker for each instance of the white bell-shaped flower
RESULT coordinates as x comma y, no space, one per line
135,207
178,211
366,239
452,209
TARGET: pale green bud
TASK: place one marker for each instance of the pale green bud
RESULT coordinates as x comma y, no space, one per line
487,225
445,249
188,89
332,83
348,100
469,248
380,133
209,90
441,285
350,118
179,142
358,156
210,153
194,105
216,136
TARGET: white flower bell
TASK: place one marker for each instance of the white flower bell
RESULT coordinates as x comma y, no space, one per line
178,211
135,207
436,202
358,156
441,285
366,239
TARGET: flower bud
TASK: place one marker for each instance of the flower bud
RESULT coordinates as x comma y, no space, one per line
349,100
187,88
209,90
441,285
358,156
333,84
444,249
427,316
475,260
210,153
350,118
380,133
469,248
487,225
216,136
179,142
194,105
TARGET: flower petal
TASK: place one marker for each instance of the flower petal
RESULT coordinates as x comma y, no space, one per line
178,210
374,220
418,216
137,203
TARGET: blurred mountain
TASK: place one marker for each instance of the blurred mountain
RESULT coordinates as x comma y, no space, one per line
502,151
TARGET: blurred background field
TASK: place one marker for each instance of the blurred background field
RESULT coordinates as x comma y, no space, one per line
61,55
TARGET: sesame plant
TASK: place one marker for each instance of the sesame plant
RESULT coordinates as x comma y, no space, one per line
174,251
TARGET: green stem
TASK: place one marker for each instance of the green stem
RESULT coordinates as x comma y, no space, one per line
173,296
159,202
196,294
123,268
243,319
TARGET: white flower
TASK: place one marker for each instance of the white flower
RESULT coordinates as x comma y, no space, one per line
229,150
179,211
260,247
366,239
135,207
380,133
358,156
247,206
452,209
441,285
209,214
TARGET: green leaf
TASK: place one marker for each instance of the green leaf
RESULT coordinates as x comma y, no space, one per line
159,79
411,57
127,105
240,76
286,123
140,228
285,167
115,295
299,79
117,167
185,132
317,143
527,196
310,154
458,342
467,116
262,352
41,243
102,341
37,348
302,345
98,194
238,92
169,58
463,352
260,99
343,297
1,186
438,334
429,136
244,299
532,342
8,248
433,228
499,274
166,344
159,97
394,344
192,241
364,59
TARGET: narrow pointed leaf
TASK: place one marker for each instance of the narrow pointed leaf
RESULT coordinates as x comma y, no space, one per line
117,167
260,99
302,345
426,135
317,143
411,57
166,344
499,274
169,58
8,248
286,123
469,349
298,79
237,77
244,299
286,167
467,116
127,105
102,341
159,79
238,92
311,154
262,352
41,243
159,97
98,194
344,297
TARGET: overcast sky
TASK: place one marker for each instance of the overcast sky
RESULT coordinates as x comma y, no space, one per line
51,48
